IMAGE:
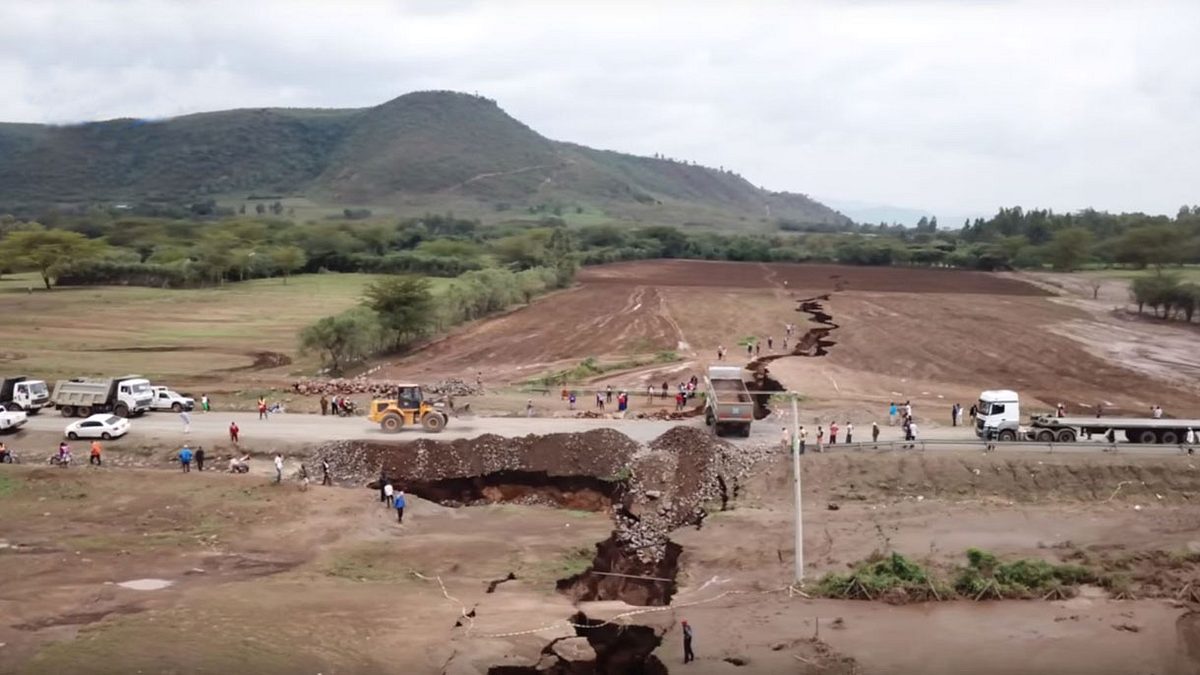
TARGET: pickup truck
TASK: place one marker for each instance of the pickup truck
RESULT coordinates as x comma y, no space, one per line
168,399
11,421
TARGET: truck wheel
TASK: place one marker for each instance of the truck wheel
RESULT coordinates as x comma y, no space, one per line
1169,437
175,407
433,422
121,410
745,431
1147,436
83,411
1045,436
1066,436
66,411
709,419
391,423
1007,435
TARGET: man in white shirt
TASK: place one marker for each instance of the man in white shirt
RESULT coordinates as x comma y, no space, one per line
278,468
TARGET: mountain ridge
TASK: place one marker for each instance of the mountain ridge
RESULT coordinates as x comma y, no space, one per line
428,150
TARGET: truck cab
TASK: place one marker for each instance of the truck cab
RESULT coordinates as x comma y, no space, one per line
135,393
999,415
21,393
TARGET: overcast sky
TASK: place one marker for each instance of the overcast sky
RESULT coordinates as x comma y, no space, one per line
956,106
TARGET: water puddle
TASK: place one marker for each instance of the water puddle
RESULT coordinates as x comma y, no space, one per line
146,584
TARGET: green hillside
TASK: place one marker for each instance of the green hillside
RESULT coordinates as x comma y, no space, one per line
426,151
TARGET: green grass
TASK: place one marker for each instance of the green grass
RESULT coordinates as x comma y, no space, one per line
70,332
371,562
592,367
1185,273
8,486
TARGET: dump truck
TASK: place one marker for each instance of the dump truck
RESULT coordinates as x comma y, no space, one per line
728,406
999,418
408,408
24,394
122,396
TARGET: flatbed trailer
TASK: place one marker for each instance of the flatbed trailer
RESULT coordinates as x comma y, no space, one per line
999,418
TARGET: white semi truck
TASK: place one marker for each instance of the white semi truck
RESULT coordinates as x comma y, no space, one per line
122,396
24,394
728,405
999,418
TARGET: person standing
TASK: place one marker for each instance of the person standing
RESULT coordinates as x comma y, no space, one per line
233,432
324,404
892,414
974,413
954,415
785,439
912,431
186,418
749,349
849,432
389,495
958,415
650,394
95,456
874,432
665,387
770,342
383,481
599,401
278,468
529,408
64,455
400,503
820,438
803,438
185,459
200,458
262,408
908,409
325,478
571,401
205,405
833,429
607,395
688,654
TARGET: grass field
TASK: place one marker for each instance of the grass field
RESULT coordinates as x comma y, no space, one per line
1185,273
182,337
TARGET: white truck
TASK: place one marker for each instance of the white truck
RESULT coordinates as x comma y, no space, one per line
167,399
22,393
11,420
122,396
999,418
728,405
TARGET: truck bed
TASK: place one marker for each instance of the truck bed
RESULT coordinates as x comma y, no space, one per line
1116,422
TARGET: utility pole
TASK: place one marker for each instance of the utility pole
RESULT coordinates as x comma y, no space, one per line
799,573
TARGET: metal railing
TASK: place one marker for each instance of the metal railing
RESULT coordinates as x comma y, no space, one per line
1049,447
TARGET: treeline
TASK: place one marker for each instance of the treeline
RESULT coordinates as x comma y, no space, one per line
1167,296
104,247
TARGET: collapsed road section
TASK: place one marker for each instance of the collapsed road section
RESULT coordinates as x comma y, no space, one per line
649,490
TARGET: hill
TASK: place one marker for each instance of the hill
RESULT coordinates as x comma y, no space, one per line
420,152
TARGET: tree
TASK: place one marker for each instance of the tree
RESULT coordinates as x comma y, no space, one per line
404,305
47,251
344,338
288,259
1069,248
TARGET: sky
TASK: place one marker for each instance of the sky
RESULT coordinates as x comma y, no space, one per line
946,106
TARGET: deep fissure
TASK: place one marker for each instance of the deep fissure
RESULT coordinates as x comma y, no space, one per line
580,493
815,342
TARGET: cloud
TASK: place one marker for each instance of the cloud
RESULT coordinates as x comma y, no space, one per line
948,106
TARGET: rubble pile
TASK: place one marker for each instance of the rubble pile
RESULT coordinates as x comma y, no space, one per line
350,386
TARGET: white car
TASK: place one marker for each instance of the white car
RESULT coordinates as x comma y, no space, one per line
98,426
10,421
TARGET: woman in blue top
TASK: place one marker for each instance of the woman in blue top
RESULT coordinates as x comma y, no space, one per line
892,414
399,502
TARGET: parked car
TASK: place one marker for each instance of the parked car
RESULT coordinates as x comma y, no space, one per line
168,399
98,426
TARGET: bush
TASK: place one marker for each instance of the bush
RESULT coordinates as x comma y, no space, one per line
986,577
893,577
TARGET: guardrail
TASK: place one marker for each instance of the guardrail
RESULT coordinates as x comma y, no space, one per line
1051,447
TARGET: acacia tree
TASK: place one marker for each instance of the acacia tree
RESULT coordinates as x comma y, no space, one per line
47,251
288,259
1069,248
404,305
342,339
